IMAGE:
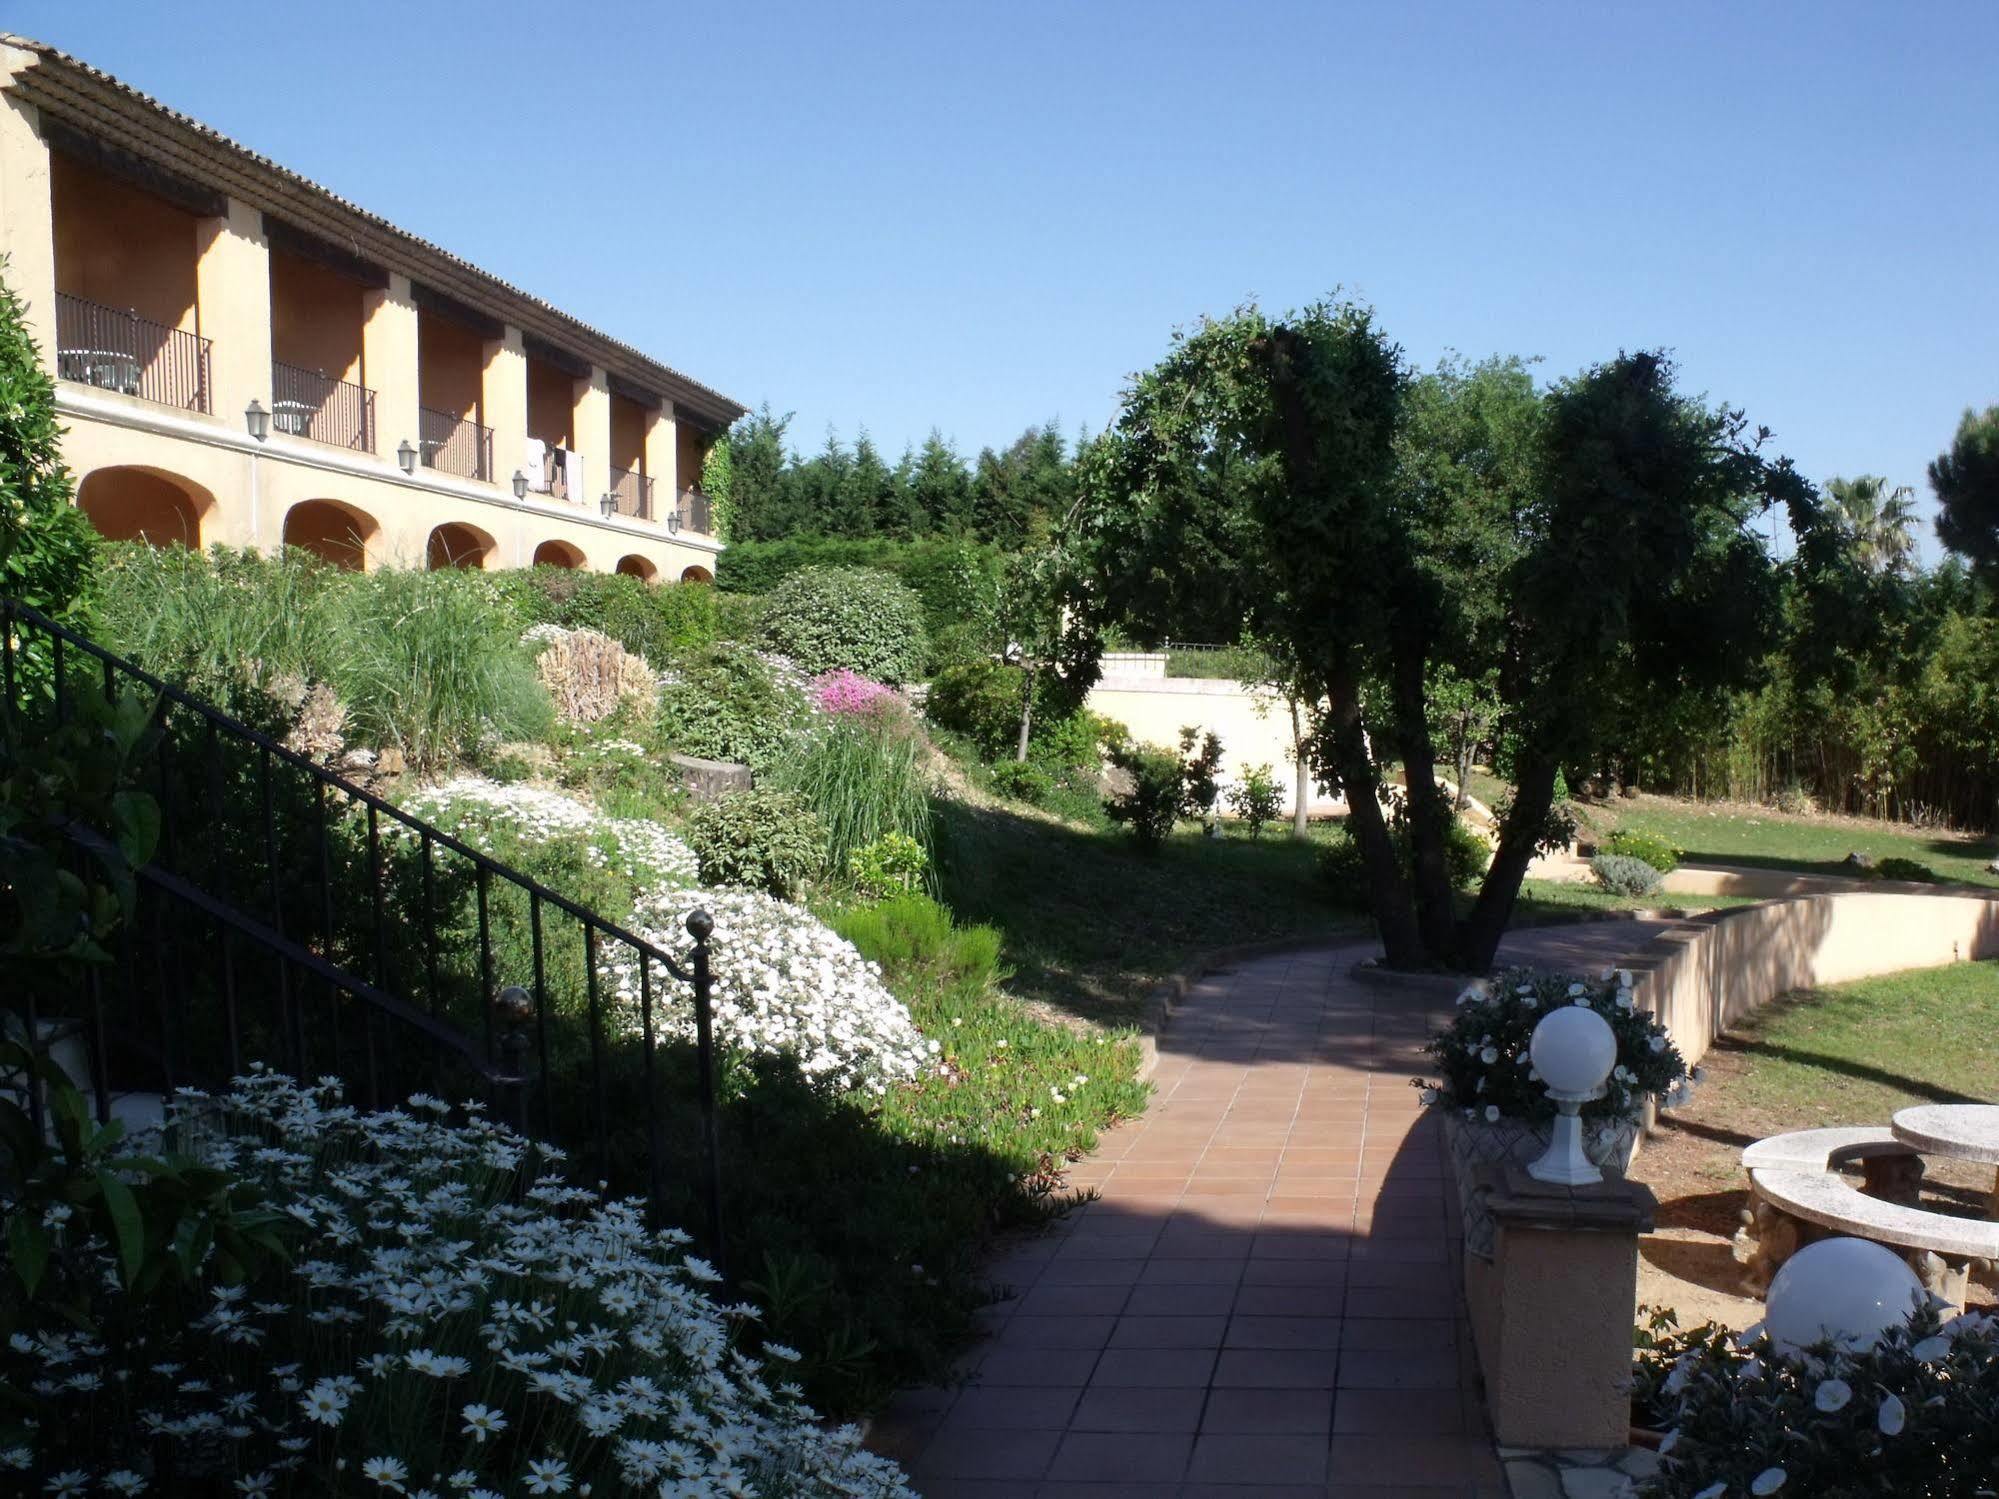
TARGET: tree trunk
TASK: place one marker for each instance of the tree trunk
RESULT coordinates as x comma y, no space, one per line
1300,811
1429,813
1026,710
1394,913
1519,835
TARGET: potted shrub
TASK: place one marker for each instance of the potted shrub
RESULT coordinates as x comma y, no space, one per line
1493,1104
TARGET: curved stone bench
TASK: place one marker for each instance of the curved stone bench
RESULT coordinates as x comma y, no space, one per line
1799,1198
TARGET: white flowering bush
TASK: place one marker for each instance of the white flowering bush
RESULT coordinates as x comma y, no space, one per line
784,983
1487,1072
453,1321
1915,1415
496,818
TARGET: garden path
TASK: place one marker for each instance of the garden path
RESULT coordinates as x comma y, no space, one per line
1264,1301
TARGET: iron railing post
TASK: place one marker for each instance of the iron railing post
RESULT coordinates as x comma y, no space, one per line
699,926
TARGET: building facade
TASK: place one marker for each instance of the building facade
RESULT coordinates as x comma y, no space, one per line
241,357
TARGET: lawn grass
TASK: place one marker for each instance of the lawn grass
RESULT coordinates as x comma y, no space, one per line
1758,837
1090,925
1546,899
1855,1053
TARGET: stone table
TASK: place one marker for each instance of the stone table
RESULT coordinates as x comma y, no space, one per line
1964,1131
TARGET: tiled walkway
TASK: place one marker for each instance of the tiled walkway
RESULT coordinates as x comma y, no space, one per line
1264,1300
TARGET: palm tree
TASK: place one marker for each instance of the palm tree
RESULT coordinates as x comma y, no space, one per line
1880,520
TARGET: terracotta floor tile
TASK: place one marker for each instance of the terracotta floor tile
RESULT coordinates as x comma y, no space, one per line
1169,1332
1154,1368
1276,1369
971,1453
1179,1301
1007,1365
1397,1335
1262,1458
1290,1301
1086,1271
1397,1413
1245,1411
1138,1408
1398,1369
1278,1245
1384,1459
1283,1332
1316,1272
1013,1407
1076,1301
1057,1332
1122,1457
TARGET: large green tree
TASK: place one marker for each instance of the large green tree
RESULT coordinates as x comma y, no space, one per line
1287,478
1880,520
47,547
1966,481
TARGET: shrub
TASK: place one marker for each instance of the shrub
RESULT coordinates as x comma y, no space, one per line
1482,1055
1023,781
844,691
1201,758
1345,872
981,700
893,864
1911,1414
913,936
1632,844
1625,876
395,1326
1151,804
657,621
726,703
1897,868
863,778
47,548
866,621
758,840
1257,799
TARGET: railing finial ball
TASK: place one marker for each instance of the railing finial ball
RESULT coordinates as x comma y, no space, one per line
700,924
515,1003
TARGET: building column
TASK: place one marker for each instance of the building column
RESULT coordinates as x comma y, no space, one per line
592,436
27,218
663,460
503,395
389,363
232,278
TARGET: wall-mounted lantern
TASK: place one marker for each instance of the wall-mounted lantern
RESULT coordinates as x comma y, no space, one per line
258,418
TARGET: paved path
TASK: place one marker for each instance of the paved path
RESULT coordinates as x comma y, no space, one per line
1264,1302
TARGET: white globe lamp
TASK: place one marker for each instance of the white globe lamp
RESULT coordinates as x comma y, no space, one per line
1573,1050
1848,1290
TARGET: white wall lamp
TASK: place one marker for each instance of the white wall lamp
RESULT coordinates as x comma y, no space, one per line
608,504
258,419
1574,1050
406,457
520,485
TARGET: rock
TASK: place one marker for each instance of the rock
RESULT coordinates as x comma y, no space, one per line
389,762
1858,861
358,759
710,780
1530,1480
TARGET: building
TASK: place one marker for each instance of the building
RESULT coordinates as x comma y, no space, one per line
242,357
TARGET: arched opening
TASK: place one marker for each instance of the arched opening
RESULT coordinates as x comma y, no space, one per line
557,554
143,504
455,544
333,532
636,566
696,575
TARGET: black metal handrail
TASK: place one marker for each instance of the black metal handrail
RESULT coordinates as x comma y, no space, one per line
231,868
631,493
114,348
455,444
311,403
696,512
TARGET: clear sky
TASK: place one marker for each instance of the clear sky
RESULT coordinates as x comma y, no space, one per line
977,216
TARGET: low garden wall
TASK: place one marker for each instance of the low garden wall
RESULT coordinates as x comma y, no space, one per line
1701,977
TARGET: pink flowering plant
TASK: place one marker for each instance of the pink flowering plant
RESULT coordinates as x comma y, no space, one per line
848,692
1483,1054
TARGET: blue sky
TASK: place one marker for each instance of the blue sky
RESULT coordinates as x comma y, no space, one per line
977,216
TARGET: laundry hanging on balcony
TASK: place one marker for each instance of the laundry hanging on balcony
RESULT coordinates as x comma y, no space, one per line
534,464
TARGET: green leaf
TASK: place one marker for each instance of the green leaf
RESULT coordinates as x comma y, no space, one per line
28,1244
137,818
127,1227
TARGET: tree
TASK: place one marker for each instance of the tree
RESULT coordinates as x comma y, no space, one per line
938,488
1030,483
47,546
1966,481
1880,520
760,490
1052,644
1585,545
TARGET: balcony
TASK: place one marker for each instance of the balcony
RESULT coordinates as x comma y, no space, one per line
454,444
311,403
631,494
696,513
118,350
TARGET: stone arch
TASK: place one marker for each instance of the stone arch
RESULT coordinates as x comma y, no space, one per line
558,554
130,503
635,566
455,544
696,574
332,531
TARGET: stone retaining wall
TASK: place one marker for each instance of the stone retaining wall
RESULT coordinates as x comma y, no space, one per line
1700,977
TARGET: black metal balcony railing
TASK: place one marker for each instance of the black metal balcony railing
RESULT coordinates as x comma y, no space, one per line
455,445
697,512
116,349
311,403
632,492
